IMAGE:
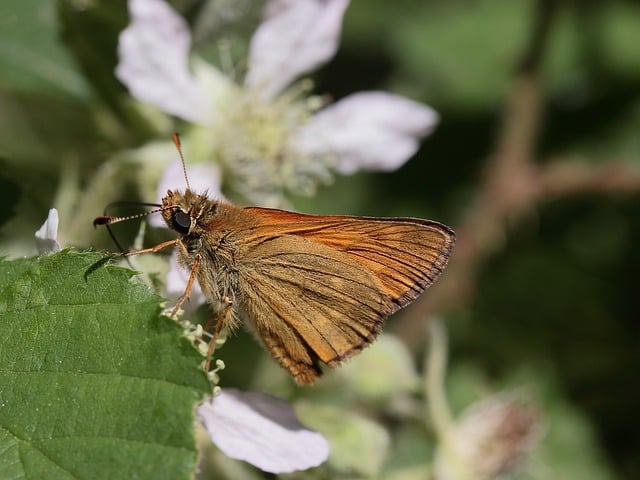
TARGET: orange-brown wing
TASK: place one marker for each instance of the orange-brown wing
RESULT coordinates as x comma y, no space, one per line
318,288
405,254
309,303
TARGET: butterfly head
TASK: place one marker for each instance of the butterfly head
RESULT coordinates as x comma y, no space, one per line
185,212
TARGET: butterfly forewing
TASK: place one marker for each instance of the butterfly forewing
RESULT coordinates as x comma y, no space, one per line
406,254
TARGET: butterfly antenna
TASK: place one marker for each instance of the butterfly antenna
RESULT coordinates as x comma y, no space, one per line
111,219
108,220
176,141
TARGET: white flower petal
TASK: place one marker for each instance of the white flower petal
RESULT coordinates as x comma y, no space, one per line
295,37
153,61
177,279
368,131
203,178
218,87
47,235
262,430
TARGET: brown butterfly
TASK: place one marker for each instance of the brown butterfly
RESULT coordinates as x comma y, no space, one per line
313,288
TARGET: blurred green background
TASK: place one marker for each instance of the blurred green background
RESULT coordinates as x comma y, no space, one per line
553,304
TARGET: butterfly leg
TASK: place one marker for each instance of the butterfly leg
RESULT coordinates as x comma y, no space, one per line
154,249
192,278
222,318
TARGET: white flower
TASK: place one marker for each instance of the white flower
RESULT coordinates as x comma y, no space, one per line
294,38
155,23
262,430
363,132
266,138
47,235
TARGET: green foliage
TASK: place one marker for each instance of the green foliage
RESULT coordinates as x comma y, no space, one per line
359,445
95,382
31,57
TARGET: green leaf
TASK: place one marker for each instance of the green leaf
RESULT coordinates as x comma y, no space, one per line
95,382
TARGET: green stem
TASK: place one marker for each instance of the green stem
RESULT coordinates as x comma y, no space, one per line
437,406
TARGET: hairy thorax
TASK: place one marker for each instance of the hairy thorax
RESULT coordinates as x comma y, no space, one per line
212,239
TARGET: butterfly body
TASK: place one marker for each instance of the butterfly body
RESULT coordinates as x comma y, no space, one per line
209,230
314,289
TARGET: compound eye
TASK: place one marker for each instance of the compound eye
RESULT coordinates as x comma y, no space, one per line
181,222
